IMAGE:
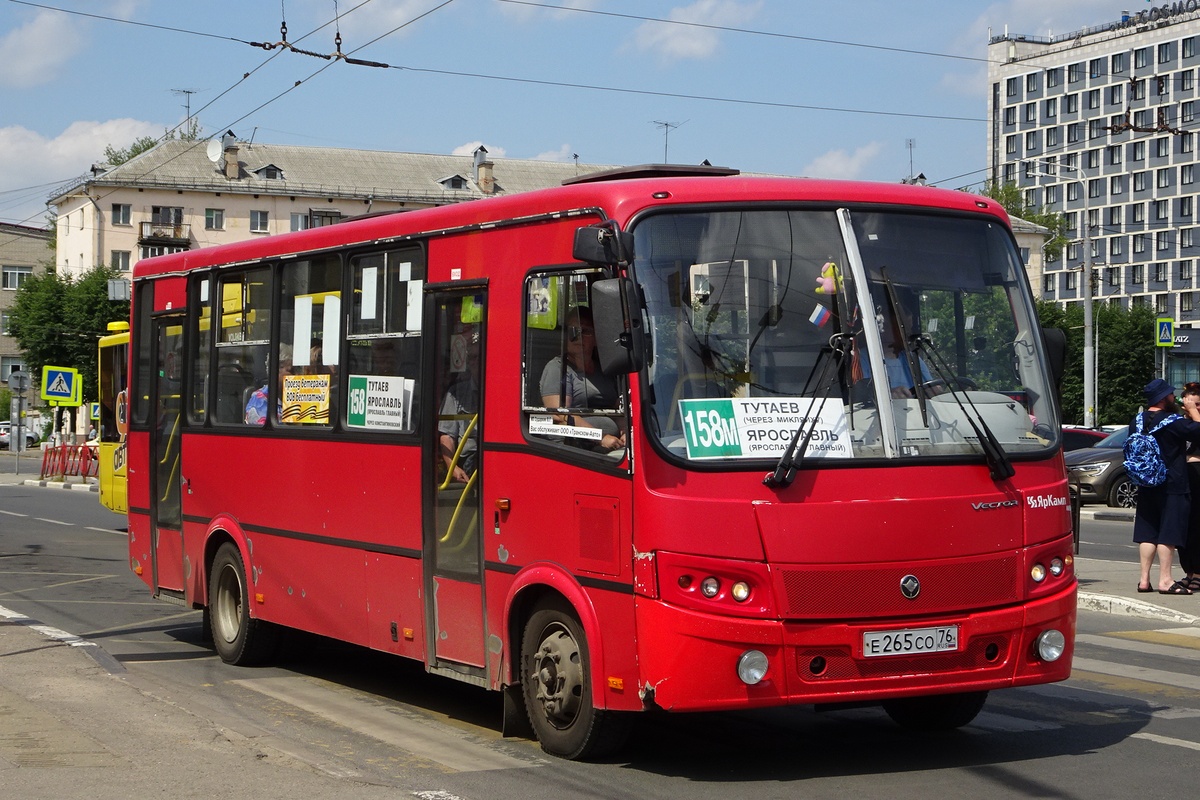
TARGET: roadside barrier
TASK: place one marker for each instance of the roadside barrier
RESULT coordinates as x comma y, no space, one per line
69,461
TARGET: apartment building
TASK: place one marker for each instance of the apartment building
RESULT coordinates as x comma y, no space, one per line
184,195
23,253
1100,124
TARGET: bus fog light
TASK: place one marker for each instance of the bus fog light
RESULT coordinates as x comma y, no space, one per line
1056,567
1051,645
752,667
709,587
1038,573
740,591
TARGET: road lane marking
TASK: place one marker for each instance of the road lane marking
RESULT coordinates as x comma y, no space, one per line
422,738
1157,643
107,530
12,513
1177,679
53,521
1153,737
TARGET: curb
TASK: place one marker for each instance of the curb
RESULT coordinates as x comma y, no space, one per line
1129,607
79,487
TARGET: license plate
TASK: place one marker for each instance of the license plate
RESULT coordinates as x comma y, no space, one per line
910,640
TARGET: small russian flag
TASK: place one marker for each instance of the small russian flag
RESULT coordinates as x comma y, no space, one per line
819,316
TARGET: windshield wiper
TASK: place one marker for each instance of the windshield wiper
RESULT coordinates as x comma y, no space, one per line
830,360
999,465
910,356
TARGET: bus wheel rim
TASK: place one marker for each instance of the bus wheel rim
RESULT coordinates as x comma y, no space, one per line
558,676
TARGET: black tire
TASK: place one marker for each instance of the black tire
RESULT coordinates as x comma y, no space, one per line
556,684
1123,493
939,712
238,638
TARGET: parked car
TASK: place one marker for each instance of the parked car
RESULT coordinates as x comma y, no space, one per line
1098,472
1078,438
31,438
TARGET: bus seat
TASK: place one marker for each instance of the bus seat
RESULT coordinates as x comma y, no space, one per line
233,381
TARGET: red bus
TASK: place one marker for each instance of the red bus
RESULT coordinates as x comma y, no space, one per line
617,445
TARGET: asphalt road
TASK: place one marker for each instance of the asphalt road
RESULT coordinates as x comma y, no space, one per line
1126,724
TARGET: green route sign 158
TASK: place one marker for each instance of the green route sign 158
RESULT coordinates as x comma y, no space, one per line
762,427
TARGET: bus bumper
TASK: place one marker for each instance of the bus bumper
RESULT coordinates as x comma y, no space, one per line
689,660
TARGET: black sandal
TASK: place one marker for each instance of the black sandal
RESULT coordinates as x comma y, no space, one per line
1192,583
1178,587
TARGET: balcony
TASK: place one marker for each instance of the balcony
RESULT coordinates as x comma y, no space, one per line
179,233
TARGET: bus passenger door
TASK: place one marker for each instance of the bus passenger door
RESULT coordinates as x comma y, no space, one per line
452,403
166,537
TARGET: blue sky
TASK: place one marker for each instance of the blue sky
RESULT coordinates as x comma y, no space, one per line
510,75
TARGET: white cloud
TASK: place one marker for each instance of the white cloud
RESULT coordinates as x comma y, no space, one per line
28,159
470,147
841,164
36,52
673,42
564,153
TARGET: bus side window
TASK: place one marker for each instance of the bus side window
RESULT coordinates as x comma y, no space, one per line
242,341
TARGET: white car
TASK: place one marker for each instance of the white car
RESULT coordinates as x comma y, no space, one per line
31,438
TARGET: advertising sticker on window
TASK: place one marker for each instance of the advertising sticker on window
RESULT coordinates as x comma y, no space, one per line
762,427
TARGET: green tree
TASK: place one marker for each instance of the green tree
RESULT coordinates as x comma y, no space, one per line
189,131
1012,198
1124,359
58,321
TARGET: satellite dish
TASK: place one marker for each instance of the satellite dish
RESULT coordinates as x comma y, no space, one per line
214,150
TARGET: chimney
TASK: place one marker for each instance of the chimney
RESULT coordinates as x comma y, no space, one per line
484,179
229,147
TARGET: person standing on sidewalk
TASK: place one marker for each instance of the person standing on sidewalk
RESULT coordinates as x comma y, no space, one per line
1189,554
1160,524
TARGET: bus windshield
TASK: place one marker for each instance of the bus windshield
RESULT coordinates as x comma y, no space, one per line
765,322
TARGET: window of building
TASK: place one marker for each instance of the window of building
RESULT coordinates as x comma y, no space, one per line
1142,119
1095,128
1137,301
1138,150
1161,85
1185,142
300,221
1162,147
1187,80
1031,142
1185,301
1141,58
1140,181
1010,172
5,330
1161,209
1072,219
1116,245
1031,112
121,213
1010,144
1185,270
1113,274
1164,52
1185,237
1115,93
1048,283
1137,90
1160,303
1073,104
214,219
1051,196
1030,172
1011,87
1096,187
1117,63
1114,154
1185,207
1187,111
1050,165
1072,191
1096,67
119,260
1031,82
1052,137
1073,133
1052,108
1139,243
1073,251
1161,242
14,277
152,250
1093,98
1070,281
1114,216
1137,213
1116,184
1162,178
1010,116
258,221
1186,175
1093,159
1053,77
1137,274
166,215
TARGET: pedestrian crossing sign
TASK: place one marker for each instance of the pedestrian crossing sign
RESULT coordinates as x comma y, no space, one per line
1166,332
61,386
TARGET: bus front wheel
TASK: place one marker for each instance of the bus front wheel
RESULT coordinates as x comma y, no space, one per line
556,682
940,712
239,639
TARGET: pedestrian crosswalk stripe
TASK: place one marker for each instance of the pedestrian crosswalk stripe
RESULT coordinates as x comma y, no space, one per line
1145,642
1130,671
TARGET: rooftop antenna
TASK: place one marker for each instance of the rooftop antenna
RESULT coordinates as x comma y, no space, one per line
666,128
187,94
911,145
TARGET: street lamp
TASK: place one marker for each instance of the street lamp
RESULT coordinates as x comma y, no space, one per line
1089,352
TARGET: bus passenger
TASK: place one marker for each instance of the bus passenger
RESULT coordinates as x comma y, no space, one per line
459,405
256,407
587,386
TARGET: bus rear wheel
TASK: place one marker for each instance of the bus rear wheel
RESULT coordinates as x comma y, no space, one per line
238,638
939,712
556,682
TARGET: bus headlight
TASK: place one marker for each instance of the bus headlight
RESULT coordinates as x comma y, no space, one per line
1051,645
709,587
1038,573
740,591
1056,567
752,667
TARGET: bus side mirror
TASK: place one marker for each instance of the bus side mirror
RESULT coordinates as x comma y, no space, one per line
616,314
1054,340
604,244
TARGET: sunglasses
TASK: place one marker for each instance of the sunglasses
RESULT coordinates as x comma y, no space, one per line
574,332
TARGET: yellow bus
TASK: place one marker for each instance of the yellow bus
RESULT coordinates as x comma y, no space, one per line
113,378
